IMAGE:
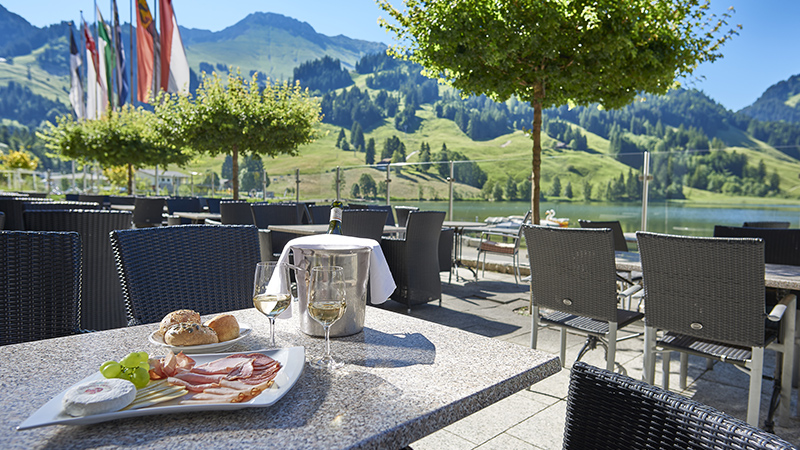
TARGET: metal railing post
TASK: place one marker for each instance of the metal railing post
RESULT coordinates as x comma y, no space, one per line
338,182
388,180
645,185
297,183
451,180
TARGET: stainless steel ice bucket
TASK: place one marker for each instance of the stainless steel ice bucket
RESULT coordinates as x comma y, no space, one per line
355,261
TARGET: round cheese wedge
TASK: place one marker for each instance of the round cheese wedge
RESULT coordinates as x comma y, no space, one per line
99,396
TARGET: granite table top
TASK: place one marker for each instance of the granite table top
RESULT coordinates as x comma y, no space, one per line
775,275
403,379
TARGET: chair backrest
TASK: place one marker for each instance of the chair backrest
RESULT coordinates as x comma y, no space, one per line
211,203
103,200
389,214
2,220
266,214
62,205
607,410
781,246
767,224
13,208
202,267
363,223
425,227
620,244
148,211
236,212
446,249
708,288
320,213
122,199
402,214
102,304
40,285
185,204
572,270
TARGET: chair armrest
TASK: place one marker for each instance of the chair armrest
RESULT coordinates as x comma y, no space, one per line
777,311
631,290
500,233
212,222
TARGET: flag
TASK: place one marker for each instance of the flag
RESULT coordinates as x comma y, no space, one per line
96,93
123,86
108,60
76,88
148,53
174,65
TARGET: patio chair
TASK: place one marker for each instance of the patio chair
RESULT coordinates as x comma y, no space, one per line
211,204
122,199
620,244
414,261
148,212
573,277
767,224
610,411
102,305
2,220
388,209
103,200
62,205
363,223
266,214
182,204
716,311
235,212
40,285
205,268
13,208
320,213
446,252
402,214
503,242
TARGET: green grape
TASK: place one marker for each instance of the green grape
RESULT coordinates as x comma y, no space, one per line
143,356
110,369
145,365
131,360
139,377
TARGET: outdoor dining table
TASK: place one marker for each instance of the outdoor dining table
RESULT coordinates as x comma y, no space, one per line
320,228
198,217
403,379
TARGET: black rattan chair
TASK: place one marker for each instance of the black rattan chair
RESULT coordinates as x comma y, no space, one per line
402,214
266,214
767,224
40,285
102,200
610,411
363,223
573,275
148,212
211,204
236,212
2,220
716,310
620,244
13,207
446,252
387,208
202,267
320,213
414,261
102,307
62,205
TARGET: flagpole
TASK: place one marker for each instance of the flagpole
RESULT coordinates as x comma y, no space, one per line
130,44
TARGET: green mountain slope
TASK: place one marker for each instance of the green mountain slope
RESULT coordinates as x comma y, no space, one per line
780,102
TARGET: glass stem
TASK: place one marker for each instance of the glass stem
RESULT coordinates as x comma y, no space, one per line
272,330
328,342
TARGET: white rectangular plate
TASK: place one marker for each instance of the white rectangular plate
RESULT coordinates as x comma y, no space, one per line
292,359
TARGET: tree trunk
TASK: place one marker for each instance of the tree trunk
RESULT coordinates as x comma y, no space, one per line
130,179
537,151
235,172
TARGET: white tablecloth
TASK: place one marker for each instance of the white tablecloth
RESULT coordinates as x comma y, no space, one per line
381,281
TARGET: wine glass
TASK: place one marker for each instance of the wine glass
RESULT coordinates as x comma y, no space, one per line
326,305
271,293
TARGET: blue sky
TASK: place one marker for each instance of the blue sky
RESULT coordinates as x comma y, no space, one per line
766,51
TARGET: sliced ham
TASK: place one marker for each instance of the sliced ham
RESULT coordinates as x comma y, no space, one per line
190,386
197,378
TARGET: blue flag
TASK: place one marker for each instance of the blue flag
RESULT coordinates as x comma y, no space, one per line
122,84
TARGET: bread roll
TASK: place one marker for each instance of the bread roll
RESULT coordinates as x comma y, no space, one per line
179,316
182,334
225,325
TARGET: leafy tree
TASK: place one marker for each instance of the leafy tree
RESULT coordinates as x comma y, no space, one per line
355,191
369,158
425,157
323,74
555,188
368,185
551,53
511,189
129,137
252,173
226,171
568,190
16,159
238,116
587,190
340,138
357,136
497,193
524,188
345,146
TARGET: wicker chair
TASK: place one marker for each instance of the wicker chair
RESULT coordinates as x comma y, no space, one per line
202,267
60,206
573,275
103,307
716,311
13,207
767,224
320,213
620,244
402,214
414,261
610,411
266,214
2,220
40,285
387,209
363,223
148,212
103,200
503,242
182,204
211,204
446,239
236,212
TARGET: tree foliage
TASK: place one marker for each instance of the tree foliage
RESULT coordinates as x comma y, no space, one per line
237,116
555,52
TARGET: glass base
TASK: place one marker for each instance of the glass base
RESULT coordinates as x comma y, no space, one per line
326,363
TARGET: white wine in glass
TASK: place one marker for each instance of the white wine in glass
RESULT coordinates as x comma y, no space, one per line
271,292
326,305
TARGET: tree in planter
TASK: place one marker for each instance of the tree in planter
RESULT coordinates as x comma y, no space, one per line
237,116
556,52
128,137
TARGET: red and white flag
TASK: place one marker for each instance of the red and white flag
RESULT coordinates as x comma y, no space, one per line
174,65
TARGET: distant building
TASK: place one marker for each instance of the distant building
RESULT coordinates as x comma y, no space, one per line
167,179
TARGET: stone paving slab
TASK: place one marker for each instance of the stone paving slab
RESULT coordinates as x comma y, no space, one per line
534,418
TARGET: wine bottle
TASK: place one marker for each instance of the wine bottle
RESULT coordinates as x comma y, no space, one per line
335,226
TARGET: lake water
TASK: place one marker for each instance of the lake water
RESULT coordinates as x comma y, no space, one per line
672,218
